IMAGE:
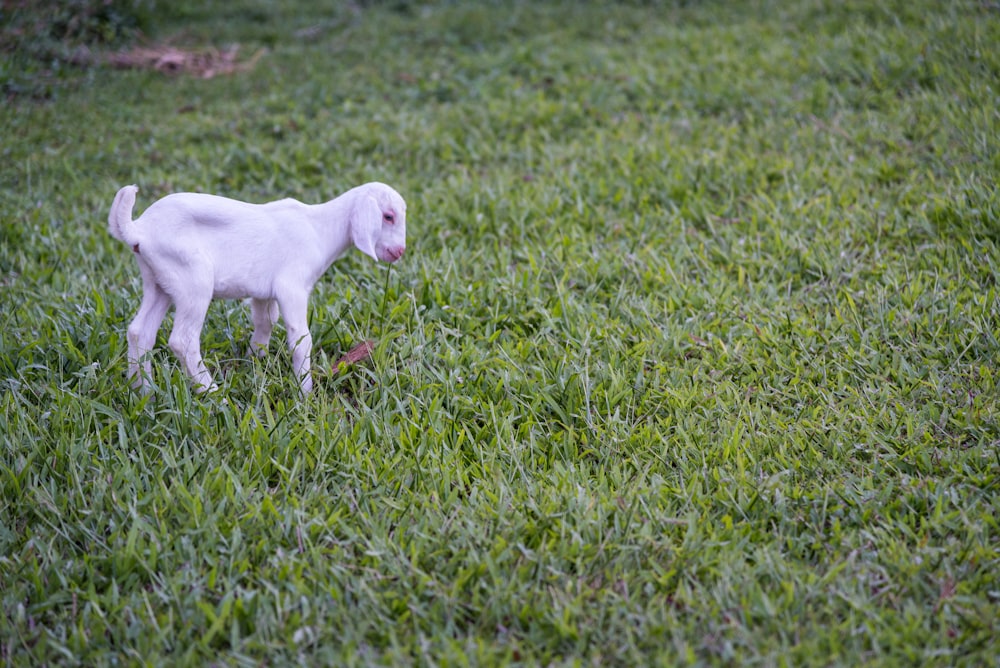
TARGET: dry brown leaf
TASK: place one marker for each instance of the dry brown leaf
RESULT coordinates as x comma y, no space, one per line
359,352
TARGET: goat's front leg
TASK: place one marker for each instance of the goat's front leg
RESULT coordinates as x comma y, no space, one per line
263,313
185,341
294,310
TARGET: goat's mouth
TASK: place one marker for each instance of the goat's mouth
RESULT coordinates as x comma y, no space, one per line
392,253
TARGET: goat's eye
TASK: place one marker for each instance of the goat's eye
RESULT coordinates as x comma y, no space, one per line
389,218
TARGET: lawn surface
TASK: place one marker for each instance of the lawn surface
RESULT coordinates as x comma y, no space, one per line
692,357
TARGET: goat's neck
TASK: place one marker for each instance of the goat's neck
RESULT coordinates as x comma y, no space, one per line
331,220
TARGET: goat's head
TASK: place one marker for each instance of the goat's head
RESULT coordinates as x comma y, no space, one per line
378,222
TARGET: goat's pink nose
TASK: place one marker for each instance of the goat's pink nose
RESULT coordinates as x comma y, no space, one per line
396,252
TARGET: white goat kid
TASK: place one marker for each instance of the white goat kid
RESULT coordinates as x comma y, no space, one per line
193,248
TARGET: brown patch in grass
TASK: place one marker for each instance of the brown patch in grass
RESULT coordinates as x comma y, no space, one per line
205,63
360,351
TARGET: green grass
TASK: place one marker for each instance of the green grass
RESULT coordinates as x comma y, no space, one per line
692,357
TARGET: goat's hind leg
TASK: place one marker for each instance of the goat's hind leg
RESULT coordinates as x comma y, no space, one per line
141,332
185,340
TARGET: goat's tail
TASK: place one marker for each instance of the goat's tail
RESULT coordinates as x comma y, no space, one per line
120,217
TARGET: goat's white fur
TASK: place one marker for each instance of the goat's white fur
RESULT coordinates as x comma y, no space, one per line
192,248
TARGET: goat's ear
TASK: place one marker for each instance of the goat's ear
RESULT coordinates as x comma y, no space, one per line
366,223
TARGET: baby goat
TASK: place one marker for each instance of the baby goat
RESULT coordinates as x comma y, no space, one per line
193,248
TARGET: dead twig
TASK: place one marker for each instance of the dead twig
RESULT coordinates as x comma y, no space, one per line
205,63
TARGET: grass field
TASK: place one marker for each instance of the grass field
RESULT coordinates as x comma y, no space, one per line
692,358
